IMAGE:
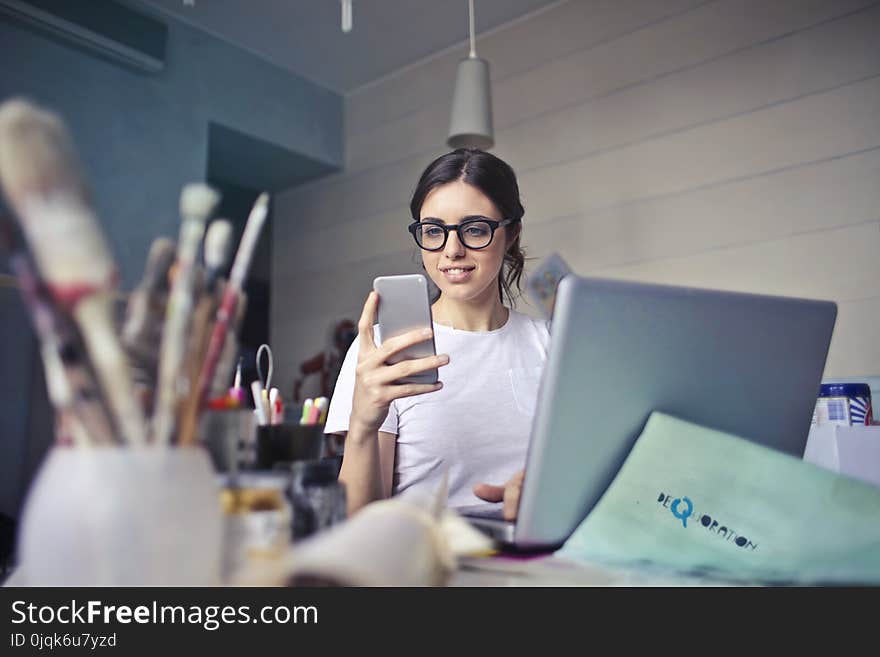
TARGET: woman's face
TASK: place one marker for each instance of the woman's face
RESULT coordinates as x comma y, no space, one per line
461,273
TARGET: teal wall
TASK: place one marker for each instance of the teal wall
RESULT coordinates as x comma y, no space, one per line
142,136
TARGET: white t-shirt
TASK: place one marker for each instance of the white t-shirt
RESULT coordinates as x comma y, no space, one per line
478,424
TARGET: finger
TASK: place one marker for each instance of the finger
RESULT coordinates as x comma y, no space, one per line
412,389
511,500
489,492
391,373
400,342
365,324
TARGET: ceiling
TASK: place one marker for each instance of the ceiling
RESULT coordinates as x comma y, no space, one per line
305,37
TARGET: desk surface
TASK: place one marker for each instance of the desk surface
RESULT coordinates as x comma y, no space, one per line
504,571
555,571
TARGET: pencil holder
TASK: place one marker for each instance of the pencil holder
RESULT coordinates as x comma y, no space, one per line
110,516
230,438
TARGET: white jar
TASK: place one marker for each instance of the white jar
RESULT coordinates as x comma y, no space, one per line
110,516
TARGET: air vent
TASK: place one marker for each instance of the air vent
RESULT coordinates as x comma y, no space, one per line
110,29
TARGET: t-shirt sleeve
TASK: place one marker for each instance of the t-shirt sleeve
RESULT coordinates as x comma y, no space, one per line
340,402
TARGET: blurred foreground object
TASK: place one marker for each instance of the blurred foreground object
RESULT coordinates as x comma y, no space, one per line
42,180
145,317
409,540
158,522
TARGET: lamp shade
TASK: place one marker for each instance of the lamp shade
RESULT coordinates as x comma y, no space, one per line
471,122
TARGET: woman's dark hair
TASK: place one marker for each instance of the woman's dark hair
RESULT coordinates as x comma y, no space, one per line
492,176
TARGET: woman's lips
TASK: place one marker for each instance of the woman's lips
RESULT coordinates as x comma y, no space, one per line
457,274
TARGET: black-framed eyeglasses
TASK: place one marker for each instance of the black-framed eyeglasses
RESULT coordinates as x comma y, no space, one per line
474,232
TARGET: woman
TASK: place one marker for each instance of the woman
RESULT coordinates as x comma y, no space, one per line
476,422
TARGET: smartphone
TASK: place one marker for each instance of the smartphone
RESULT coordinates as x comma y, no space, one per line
404,306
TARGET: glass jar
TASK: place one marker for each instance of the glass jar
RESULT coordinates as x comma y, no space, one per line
257,518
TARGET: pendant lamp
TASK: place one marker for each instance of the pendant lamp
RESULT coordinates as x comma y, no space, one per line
471,123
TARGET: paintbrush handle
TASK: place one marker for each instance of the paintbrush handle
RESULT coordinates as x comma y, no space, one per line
229,355
87,407
144,318
69,382
111,364
171,355
252,230
225,313
201,334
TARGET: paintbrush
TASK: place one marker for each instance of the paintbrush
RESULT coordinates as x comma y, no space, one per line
71,385
197,202
218,243
145,316
218,239
227,310
42,180
229,354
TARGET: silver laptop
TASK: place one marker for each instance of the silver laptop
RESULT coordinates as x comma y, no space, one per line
746,364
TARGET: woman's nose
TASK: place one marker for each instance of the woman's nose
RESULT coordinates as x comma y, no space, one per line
454,248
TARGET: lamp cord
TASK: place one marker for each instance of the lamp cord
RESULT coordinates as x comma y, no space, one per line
471,21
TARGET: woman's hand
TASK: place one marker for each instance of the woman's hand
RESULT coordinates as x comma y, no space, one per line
509,493
374,387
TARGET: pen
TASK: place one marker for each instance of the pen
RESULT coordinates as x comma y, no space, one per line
274,408
279,409
267,408
236,382
236,392
260,409
314,412
307,408
323,404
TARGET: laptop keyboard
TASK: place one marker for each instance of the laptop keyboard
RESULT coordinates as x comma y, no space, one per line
489,511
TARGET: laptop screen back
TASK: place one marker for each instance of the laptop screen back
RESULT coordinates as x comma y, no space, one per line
741,363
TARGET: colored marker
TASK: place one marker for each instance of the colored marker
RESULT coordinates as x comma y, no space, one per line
323,404
260,409
274,408
307,408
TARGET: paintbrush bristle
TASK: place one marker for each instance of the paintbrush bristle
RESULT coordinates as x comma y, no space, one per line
42,178
36,154
197,201
218,239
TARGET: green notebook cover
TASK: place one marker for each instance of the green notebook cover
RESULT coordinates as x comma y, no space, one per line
704,503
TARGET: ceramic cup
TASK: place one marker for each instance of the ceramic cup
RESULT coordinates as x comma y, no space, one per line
110,516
